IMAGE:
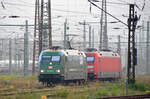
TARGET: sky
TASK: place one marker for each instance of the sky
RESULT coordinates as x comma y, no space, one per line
74,11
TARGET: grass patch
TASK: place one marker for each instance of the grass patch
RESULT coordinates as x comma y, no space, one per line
62,93
92,90
101,93
7,77
4,83
138,86
20,82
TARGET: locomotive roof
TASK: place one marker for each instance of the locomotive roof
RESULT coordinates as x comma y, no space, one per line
67,52
75,52
105,53
108,54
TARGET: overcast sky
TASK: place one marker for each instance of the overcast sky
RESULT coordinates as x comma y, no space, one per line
74,10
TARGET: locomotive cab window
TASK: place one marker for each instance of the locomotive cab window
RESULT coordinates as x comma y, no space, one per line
55,58
46,59
90,59
99,60
70,58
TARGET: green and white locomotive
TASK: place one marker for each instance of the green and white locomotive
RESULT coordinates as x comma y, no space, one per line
57,65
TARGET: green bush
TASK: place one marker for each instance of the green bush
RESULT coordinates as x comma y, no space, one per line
113,93
100,93
4,83
7,77
62,93
138,86
114,87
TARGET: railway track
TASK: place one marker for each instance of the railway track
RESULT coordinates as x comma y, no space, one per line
28,91
5,89
145,96
25,92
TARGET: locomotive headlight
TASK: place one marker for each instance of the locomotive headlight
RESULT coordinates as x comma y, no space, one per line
50,63
58,71
91,70
91,67
42,71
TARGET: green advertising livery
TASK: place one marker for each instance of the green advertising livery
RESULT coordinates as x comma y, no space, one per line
62,66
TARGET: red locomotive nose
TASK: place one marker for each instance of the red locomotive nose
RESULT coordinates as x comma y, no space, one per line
90,68
103,64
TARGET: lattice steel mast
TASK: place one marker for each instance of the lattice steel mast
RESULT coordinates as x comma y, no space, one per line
132,22
42,28
103,29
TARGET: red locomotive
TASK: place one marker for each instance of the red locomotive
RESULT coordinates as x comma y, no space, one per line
103,65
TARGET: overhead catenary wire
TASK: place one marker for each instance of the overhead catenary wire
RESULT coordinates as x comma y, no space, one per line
77,12
23,1
108,13
2,3
61,10
142,8
68,11
32,5
116,3
124,1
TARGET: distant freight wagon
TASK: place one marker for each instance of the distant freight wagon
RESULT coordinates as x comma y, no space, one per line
103,65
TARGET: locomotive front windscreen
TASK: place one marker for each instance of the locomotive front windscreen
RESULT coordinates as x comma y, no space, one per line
55,58
90,58
47,59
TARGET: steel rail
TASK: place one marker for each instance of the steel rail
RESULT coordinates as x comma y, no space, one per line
144,96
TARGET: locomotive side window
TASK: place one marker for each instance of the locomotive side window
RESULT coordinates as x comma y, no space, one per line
69,58
46,59
81,60
55,58
90,59
99,60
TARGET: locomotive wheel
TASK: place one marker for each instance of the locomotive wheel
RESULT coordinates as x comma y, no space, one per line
84,82
77,83
50,84
65,83
44,83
